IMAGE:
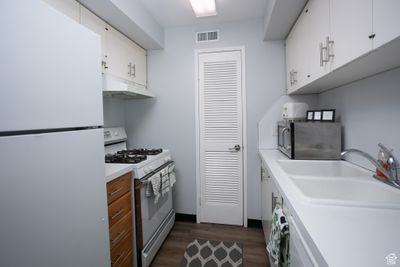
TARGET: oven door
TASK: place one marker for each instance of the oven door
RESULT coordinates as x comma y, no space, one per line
284,138
153,213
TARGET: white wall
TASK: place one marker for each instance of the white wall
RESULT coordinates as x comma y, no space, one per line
169,120
369,111
113,112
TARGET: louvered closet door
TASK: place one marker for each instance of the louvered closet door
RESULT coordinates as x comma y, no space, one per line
220,111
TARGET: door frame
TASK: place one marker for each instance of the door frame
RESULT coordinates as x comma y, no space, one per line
197,52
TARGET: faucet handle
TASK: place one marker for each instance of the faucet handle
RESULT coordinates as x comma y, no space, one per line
385,149
389,152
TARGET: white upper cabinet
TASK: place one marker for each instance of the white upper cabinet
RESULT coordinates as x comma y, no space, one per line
304,54
138,58
297,63
118,61
99,26
386,18
334,42
70,8
351,30
121,57
125,59
318,24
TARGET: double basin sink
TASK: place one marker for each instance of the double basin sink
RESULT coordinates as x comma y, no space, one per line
339,183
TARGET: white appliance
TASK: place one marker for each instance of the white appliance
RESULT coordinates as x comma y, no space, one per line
153,220
52,189
294,111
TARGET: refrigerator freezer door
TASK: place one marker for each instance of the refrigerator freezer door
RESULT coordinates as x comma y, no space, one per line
50,69
53,200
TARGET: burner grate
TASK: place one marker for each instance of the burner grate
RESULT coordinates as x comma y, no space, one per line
145,151
123,157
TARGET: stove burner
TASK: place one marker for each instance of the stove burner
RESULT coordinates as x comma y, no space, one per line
124,157
145,151
132,156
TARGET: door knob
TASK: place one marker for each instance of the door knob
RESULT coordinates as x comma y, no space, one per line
235,148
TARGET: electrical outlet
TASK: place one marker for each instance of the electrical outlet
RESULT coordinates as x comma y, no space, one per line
274,130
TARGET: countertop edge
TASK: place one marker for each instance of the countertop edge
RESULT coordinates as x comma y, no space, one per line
116,170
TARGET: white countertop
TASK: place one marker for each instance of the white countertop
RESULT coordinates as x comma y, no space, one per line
114,170
344,236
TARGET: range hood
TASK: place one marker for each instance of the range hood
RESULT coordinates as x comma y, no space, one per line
121,88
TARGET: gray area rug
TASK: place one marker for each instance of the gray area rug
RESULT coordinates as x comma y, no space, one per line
209,253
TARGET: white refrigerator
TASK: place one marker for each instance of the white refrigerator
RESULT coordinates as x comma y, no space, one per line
52,187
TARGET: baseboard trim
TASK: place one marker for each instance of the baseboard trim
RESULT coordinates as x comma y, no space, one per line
252,223
181,217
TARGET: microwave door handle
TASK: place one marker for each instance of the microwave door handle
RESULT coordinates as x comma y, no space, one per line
283,137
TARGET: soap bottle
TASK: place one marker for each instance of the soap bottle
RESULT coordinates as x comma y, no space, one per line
383,160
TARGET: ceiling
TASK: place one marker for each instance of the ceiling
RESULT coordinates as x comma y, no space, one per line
175,13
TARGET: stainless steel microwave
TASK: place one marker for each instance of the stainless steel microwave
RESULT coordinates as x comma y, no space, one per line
310,140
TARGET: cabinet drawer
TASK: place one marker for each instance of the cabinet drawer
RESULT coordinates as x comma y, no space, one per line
127,261
119,209
122,250
118,187
120,230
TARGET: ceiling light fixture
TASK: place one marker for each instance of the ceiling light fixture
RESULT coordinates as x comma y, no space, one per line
204,8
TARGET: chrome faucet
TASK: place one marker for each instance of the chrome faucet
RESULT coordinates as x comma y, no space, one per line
392,173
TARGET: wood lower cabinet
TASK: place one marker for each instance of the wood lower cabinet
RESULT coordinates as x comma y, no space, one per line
119,197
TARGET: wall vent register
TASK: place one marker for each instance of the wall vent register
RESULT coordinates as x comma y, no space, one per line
207,36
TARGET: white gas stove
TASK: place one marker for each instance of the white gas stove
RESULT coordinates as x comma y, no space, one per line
154,217
144,161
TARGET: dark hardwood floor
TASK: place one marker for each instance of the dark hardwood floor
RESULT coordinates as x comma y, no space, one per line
171,252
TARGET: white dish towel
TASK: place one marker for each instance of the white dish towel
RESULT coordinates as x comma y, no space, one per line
164,182
155,182
171,175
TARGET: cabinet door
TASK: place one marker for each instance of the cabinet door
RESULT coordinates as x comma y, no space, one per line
297,51
266,211
300,253
70,8
318,25
351,26
139,62
117,48
97,25
386,19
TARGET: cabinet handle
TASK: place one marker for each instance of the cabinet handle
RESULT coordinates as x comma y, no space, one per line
115,191
117,214
322,60
104,64
273,202
134,70
328,50
116,262
294,77
130,69
118,237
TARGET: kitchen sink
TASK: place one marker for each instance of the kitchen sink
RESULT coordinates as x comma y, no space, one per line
348,192
322,168
340,183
